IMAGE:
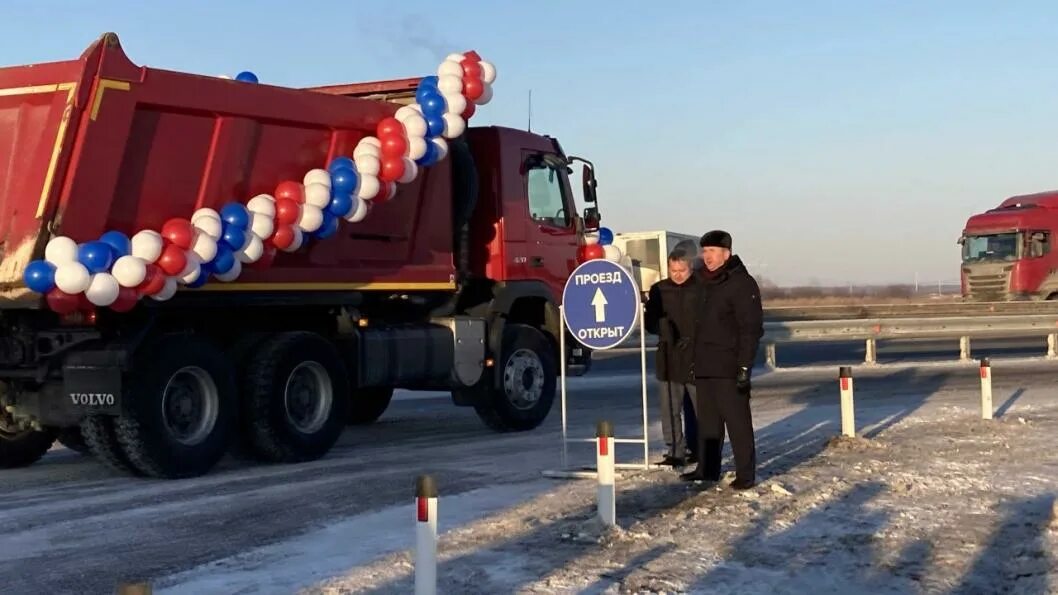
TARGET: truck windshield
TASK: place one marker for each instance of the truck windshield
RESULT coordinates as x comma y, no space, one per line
999,246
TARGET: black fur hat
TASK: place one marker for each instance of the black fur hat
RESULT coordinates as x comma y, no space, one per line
717,238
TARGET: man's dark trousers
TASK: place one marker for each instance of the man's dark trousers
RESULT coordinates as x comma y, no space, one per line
721,404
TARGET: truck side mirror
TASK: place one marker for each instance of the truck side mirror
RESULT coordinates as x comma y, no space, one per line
588,177
591,219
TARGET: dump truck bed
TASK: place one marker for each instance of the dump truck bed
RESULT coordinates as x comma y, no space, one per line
98,144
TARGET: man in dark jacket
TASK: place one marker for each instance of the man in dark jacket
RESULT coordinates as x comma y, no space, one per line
728,330
670,314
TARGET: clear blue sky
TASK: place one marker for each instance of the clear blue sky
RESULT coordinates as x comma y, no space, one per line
838,141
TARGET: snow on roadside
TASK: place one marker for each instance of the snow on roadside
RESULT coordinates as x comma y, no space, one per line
938,501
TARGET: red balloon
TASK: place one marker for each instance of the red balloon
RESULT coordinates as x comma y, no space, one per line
392,169
472,55
394,145
288,211
292,190
127,298
153,282
269,256
173,260
469,112
62,303
390,127
473,87
386,191
471,68
593,252
179,232
283,237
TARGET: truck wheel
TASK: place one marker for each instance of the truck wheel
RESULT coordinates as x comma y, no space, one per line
22,448
72,439
293,408
527,384
182,400
368,404
102,441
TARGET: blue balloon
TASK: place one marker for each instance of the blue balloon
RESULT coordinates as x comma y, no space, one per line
341,204
224,260
119,243
343,180
246,77
39,276
605,236
430,157
429,81
329,227
203,277
235,215
341,162
433,104
235,237
97,257
435,126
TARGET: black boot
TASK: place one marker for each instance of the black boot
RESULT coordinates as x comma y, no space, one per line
742,484
698,474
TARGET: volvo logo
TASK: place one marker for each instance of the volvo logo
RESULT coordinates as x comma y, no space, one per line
92,399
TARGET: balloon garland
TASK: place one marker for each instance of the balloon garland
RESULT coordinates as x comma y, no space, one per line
116,270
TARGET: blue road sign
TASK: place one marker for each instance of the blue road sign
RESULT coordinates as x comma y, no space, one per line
601,304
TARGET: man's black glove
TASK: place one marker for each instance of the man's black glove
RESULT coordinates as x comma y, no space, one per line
684,343
742,382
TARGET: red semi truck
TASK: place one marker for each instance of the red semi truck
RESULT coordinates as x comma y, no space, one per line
452,284
1007,253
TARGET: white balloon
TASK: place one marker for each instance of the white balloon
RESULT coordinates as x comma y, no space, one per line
167,292
129,271
366,149
368,165
318,195
455,125
450,68
59,250
205,213
411,171
359,212
449,84
210,227
488,72
416,147
298,239
311,218
442,147
147,245
414,125
192,265
457,104
406,112
416,107
232,273
591,238
369,187
262,225
370,140
265,204
612,253
204,247
253,251
72,277
318,176
102,289
457,58
486,95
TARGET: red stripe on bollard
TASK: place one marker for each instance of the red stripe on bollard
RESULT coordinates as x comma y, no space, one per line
604,446
424,509
844,384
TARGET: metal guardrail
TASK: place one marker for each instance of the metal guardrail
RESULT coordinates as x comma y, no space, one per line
928,310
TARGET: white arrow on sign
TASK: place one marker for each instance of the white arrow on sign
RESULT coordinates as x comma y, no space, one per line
599,301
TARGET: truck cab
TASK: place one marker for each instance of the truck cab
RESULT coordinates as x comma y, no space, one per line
1007,251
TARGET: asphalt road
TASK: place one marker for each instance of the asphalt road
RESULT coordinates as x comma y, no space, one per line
69,526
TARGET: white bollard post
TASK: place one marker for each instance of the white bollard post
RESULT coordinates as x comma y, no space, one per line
964,349
848,413
1052,346
425,536
607,496
986,389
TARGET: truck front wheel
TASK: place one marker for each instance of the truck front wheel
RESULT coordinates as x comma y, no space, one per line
295,398
527,382
21,448
181,400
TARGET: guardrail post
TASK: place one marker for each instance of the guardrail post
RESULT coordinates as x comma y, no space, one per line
986,389
848,414
604,461
1052,346
425,536
871,356
769,356
964,349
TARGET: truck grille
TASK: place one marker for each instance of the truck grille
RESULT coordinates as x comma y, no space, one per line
992,285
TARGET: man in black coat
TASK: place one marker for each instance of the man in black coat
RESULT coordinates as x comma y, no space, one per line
729,326
670,313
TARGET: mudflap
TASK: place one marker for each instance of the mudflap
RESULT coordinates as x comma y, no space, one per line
92,383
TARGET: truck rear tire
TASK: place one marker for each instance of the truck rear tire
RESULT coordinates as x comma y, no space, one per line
72,439
527,385
294,398
102,440
368,404
182,405
22,448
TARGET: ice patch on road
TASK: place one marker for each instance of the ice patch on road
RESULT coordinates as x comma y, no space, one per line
297,563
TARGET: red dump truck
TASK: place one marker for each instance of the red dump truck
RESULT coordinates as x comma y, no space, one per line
450,282
1006,251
